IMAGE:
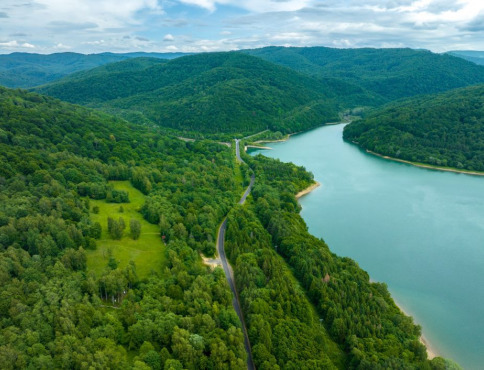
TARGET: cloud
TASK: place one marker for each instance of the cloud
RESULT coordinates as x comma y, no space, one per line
206,4
61,46
175,22
105,13
14,44
213,25
476,25
257,6
62,26
95,43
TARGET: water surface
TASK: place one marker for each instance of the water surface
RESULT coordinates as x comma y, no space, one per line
420,231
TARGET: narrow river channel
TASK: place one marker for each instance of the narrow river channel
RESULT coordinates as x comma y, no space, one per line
420,231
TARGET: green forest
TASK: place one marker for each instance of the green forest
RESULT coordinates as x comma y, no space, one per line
58,161
61,308
387,73
445,130
212,93
108,209
356,314
27,70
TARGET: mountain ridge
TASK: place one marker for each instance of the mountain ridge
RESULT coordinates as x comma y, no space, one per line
213,92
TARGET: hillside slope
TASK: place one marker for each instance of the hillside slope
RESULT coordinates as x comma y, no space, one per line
473,56
58,166
443,130
390,73
90,292
29,70
213,93
61,167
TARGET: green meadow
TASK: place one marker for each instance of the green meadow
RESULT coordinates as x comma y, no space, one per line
148,252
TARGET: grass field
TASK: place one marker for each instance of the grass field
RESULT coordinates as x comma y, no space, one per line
148,252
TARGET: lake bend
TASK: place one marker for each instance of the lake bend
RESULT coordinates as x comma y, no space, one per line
420,231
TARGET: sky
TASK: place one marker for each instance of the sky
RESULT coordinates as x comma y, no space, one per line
93,26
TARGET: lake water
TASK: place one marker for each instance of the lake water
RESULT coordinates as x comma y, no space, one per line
418,230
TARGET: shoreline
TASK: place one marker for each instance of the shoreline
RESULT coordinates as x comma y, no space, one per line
257,147
308,190
431,352
427,166
286,138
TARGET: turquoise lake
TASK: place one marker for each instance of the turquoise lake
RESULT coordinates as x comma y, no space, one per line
420,231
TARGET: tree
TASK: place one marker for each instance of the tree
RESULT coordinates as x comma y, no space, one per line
116,228
134,228
96,230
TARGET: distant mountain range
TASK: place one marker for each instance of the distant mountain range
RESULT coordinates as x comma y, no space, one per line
283,89
390,73
212,93
28,70
470,55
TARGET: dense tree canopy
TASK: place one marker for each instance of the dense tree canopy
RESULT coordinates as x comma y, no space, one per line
442,130
28,70
359,315
55,313
214,93
389,73
305,307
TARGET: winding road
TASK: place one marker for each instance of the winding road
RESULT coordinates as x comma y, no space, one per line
228,269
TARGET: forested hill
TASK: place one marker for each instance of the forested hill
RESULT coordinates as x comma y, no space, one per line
29,70
56,310
305,307
470,55
213,93
442,130
391,73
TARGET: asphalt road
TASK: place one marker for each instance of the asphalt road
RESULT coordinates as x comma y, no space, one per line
237,150
228,269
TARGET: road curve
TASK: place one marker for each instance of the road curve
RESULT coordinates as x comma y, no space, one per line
229,274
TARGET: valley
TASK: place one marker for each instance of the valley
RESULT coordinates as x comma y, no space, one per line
413,228
119,177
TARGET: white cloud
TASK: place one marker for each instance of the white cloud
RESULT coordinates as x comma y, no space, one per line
257,6
14,44
106,13
113,25
61,46
206,4
95,43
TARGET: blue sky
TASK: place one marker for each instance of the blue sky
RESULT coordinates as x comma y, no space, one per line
91,26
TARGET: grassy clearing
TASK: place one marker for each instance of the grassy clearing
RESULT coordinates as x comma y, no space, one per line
148,252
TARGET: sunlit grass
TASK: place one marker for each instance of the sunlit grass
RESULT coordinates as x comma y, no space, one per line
148,252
